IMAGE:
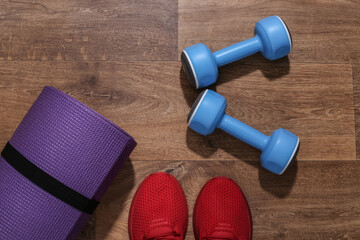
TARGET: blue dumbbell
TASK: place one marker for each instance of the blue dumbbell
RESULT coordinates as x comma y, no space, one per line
272,39
278,150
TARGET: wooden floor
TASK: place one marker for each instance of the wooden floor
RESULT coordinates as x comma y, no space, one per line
122,59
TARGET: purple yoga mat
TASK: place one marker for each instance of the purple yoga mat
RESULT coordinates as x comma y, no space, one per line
73,144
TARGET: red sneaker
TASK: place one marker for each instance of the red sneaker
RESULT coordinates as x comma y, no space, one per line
221,212
158,209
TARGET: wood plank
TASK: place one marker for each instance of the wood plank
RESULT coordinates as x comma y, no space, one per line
151,101
88,233
88,30
303,98
313,200
356,76
322,31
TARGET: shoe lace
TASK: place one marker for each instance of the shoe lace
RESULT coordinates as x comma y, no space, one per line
218,238
162,234
222,232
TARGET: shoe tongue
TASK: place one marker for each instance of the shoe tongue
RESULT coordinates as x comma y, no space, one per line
161,233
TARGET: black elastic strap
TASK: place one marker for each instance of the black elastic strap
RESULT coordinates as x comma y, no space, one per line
47,182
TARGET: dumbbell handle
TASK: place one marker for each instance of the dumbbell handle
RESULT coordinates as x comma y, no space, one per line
243,132
238,51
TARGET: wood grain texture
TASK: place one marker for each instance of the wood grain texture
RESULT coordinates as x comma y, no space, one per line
88,233
322,31
356,76
88,30
313,200
151,102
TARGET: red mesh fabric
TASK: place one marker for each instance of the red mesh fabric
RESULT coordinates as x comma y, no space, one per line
159,209
221,212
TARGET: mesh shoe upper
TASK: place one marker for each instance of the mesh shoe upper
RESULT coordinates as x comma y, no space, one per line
159,209
221,212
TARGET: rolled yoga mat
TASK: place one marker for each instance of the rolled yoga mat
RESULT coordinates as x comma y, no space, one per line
56,167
